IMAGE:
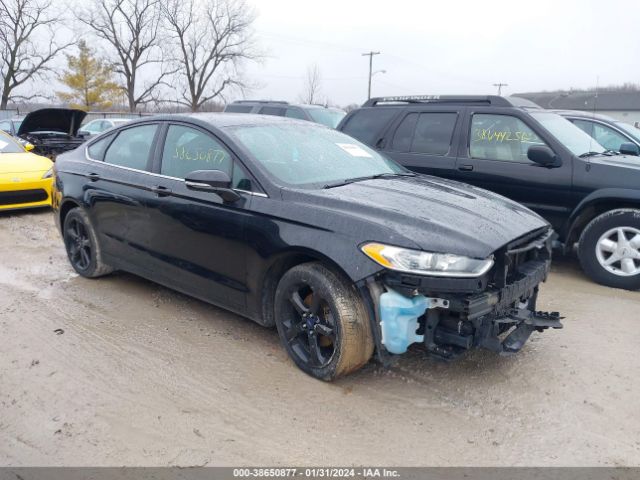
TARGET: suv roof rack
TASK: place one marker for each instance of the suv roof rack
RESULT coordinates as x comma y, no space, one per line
492,100
281,102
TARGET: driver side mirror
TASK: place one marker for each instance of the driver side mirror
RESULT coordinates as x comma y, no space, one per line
630,149
29,146
543,156
215,181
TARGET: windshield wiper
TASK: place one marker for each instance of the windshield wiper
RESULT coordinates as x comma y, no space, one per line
347,181
589,154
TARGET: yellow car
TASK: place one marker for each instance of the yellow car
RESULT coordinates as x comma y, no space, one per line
25,178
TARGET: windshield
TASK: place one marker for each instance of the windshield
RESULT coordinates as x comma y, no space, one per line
630,130
325,116
568,134
8,145
310,155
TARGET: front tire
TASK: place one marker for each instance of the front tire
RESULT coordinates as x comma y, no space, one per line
82,246
322,322
609,249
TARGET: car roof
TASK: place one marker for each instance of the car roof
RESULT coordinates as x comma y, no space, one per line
281,103
227,119
582,114
483,100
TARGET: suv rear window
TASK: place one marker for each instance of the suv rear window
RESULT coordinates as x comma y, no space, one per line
278,111
367,123
238,108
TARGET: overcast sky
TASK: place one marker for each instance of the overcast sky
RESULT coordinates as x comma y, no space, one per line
446,46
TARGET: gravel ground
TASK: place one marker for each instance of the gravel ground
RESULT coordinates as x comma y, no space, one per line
142,375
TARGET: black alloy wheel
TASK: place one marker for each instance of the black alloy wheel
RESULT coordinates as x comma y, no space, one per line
322,322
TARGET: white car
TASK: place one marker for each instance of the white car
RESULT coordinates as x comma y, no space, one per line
99,125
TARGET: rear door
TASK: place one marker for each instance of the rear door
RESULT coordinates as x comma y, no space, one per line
198,239
424,141
118,190
495,158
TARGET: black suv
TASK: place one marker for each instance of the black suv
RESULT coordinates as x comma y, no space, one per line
511,146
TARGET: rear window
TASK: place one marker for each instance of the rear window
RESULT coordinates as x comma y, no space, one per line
367,123
238,108
278,111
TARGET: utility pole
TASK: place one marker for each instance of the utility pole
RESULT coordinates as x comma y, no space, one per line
370,55
500,85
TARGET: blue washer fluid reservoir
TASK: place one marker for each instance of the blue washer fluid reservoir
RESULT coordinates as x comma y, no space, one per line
399,320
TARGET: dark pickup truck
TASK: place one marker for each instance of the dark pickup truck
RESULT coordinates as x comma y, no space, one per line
509,145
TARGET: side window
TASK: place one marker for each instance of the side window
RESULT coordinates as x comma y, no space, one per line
278,111
501,137
5,126
187,149
433,133
585,126
367,123
608,137
404,133
295,113
131,147
96,150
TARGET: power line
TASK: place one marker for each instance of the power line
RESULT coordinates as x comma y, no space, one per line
370,55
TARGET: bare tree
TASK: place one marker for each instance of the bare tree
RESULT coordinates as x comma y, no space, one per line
27,44
131,27
312,86
212,38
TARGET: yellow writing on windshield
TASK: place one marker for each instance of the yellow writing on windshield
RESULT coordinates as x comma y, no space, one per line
489,135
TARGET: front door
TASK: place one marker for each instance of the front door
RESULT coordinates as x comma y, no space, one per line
197,237
496,159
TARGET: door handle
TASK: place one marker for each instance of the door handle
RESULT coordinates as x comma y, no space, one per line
161,191
466,168
93,177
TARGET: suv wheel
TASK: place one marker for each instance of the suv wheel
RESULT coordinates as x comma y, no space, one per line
609,249
82,246
322,322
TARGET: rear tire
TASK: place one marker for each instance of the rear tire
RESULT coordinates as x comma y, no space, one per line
82,246
322,322
609,249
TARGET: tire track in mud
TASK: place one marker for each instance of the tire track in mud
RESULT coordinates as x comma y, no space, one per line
146,376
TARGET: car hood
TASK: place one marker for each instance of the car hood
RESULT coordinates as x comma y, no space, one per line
64,120
621,161
11,163
427,213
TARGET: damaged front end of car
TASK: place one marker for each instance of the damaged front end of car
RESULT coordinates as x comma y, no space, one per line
492,307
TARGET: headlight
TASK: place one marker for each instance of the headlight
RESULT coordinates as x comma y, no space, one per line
48,173
426,263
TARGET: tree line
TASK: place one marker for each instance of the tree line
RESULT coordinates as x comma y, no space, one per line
185,52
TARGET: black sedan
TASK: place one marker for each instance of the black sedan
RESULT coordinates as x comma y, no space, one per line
296,225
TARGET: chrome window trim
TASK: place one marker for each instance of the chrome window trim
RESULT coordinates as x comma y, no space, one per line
86,155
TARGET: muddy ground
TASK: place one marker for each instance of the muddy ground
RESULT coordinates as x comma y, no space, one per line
146,376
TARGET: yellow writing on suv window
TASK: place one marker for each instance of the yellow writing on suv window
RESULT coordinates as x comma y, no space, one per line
212,156
489,135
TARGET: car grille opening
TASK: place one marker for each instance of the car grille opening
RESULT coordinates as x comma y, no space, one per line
513,262
22,196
